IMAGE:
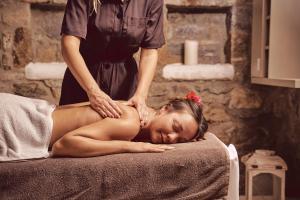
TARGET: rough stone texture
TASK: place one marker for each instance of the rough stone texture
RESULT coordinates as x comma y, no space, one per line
248,116
36,1
215,113
7,41
46,40
216,87
6,61
284,104
28,34
61,2
228,132
182,26
28,89
15,13
22,51
244,99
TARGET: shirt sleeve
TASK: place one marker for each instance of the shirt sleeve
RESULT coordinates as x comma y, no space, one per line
154,36
76,18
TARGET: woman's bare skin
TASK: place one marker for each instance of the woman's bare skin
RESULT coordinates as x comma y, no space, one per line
79,131
70,117
94,135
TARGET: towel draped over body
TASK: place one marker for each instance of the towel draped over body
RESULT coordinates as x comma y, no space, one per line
25,127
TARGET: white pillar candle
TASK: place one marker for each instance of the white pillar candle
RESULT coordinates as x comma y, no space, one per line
191,52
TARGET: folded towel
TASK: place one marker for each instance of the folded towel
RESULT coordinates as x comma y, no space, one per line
25,127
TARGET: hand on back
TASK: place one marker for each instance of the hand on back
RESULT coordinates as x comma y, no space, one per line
104,105
140,105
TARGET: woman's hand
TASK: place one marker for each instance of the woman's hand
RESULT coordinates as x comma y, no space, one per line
103,104
142,147
140,104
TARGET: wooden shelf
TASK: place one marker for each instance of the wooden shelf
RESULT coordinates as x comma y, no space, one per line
291,83
275,46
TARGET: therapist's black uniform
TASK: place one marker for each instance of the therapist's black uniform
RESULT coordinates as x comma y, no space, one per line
110,37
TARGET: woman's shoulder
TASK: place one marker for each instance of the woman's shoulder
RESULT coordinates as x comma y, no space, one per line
124,128
129,112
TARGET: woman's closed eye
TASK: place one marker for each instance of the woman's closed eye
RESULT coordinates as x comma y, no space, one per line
176,126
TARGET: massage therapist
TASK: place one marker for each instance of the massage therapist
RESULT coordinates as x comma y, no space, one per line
99,39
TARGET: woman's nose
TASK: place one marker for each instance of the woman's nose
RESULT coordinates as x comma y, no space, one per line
172,137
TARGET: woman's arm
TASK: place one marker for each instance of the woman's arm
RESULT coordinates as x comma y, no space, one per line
108,136
101,102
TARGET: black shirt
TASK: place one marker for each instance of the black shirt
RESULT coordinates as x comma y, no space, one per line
118,28
110,37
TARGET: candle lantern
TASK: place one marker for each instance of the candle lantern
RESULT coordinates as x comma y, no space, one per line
265,162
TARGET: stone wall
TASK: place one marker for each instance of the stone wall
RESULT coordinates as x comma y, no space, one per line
29,32
284,130
249,116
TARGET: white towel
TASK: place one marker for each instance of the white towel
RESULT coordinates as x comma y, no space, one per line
25,127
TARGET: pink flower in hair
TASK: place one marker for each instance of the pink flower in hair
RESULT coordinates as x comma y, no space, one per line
192,96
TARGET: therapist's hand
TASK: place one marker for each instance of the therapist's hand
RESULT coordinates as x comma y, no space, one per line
103,104
140,104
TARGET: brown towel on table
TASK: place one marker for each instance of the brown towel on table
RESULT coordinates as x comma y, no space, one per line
196,170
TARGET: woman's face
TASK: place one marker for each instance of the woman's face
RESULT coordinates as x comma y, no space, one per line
172,127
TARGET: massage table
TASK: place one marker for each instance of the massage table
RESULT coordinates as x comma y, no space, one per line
206,169
234,174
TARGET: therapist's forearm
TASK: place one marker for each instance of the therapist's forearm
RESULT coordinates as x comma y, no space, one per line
76,64
147,67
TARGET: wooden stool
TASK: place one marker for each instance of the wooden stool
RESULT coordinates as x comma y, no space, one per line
265,161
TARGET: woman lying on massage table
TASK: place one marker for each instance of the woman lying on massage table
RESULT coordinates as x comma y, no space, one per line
79,131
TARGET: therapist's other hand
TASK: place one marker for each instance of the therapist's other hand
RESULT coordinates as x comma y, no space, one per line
103,104
140,104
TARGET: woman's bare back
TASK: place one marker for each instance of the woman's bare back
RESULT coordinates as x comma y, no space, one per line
70,117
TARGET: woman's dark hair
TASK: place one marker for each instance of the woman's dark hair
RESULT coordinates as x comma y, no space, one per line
194,109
